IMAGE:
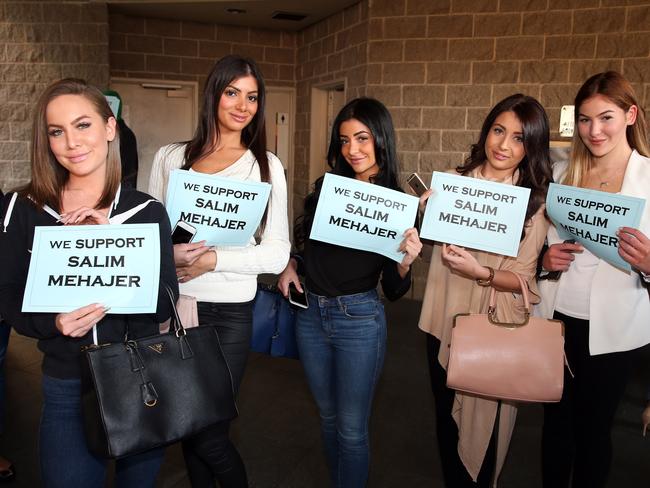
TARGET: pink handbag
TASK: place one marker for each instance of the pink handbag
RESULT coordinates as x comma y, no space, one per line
187,311
510,361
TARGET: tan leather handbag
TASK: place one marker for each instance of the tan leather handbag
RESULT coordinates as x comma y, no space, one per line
510,361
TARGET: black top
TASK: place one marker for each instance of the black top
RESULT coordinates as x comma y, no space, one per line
333,270
63,353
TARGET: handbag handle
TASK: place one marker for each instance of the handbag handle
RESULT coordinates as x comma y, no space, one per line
492,308
176,323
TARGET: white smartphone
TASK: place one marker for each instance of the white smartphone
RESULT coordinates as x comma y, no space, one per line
183,233
416,184
296,298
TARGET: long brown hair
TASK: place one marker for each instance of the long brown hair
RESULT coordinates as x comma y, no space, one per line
535,168
619,91
224,72
49,177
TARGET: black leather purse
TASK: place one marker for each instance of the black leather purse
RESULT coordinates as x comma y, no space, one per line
150,392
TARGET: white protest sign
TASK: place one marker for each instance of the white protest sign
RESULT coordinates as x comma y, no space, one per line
363,216
475,213
224,211
74,266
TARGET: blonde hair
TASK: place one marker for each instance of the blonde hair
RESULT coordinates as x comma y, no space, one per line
619,91
48,175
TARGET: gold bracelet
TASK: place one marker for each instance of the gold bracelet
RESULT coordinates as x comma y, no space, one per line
489,279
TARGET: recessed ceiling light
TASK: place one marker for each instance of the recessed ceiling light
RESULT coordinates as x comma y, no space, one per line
235,11
294,16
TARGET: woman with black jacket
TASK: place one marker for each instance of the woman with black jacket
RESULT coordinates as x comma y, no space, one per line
76,181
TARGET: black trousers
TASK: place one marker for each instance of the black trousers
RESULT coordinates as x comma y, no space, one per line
577,430
210,454
453,470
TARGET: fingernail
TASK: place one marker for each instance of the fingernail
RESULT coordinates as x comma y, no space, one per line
98,305
106,309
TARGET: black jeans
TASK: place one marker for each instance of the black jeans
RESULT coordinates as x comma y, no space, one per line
210,453
577,430
453,469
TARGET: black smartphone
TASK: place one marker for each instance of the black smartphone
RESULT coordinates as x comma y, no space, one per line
296,298
183,233
416,184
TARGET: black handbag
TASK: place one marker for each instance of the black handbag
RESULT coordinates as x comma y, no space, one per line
150,392
273,323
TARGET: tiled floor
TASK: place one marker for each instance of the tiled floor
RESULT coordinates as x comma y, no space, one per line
277,432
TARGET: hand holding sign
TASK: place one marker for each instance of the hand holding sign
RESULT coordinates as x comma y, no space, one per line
78,322
593,218
463,262
187,254
411,247
559,257
634,247
85,216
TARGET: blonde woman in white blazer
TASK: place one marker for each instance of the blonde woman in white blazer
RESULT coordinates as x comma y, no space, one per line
606,311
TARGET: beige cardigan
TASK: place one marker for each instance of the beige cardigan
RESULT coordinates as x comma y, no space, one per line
447,294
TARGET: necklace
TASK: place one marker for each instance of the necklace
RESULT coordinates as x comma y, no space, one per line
604,182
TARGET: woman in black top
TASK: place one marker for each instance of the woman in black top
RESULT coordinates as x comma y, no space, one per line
76,180
342,335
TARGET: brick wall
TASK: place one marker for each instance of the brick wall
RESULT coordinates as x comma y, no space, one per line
42,41
166,49
333,49
441,65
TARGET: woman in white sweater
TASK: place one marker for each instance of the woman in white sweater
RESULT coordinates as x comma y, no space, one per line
229,142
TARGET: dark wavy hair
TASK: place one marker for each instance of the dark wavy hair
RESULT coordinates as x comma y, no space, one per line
224,72
374,115
535,168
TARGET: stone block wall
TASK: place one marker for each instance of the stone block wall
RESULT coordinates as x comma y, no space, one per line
42,41
441,65
333,49
166,49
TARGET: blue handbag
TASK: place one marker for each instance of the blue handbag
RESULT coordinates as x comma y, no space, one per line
273,323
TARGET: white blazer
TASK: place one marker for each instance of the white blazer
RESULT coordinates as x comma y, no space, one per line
619,308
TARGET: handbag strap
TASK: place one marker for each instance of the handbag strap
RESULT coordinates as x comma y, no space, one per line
176,323
492,308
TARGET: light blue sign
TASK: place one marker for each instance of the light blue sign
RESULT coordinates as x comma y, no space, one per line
363,216
592,218
224,211
475,213
74,266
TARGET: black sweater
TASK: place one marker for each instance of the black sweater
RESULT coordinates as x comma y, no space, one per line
62,354
333,270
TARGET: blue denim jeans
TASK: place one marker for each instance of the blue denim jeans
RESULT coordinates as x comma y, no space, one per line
5,330
342,343
65,459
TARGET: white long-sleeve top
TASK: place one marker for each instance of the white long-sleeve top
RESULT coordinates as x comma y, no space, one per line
234,278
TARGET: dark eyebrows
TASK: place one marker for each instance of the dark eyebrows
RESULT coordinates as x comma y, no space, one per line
503,128
78,119
356,133
254,92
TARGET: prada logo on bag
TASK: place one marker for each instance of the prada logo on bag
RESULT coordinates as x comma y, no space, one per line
157,347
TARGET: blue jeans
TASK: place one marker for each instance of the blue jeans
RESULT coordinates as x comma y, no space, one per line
5,330
342,343
65,459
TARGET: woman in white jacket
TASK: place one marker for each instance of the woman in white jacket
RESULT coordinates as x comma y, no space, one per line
606,310
229,142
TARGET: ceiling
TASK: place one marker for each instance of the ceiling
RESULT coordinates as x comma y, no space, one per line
258,13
